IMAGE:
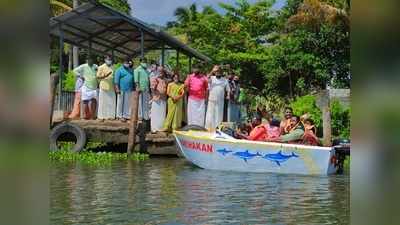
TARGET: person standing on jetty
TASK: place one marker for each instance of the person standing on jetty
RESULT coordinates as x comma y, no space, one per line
124,85
196,85
218,87
89,88
107,101
175,91
158,112
76,110
142,81
233,99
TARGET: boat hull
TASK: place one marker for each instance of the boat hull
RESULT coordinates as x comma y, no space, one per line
211,151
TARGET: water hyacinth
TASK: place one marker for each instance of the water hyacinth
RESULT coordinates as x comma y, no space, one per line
94,158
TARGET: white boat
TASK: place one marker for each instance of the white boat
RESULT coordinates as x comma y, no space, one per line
218,151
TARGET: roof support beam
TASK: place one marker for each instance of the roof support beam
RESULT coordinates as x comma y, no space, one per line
163,55
99,23
105,29
177,58
93,41
88,37
94,50
61,66
141,43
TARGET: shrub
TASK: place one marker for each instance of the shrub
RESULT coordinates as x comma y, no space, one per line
69,81
340,115
340,120
307,104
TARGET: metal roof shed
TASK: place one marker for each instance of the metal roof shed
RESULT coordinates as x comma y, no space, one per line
103,29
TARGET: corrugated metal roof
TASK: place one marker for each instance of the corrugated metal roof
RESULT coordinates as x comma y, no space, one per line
106,29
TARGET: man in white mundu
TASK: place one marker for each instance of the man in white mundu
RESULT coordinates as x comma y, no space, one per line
196,85
218,87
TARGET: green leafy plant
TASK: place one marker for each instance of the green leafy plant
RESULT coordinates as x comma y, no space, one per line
307,104
340,120
69,81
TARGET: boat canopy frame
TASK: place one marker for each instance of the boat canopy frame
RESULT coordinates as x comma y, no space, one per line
105,31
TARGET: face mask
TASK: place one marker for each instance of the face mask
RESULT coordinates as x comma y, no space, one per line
126,65
108,62
218,76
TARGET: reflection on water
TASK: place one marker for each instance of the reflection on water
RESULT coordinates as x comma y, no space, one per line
171,191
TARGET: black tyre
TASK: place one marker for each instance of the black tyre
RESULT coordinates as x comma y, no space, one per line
68,132
193,127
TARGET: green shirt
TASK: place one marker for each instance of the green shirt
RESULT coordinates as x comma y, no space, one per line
294,135
142,76
89,74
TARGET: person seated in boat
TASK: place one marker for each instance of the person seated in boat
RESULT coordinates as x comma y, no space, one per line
273,128
310,137
285,123
295,132
252,129
262,131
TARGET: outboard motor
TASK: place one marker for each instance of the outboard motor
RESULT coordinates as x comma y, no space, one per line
342,149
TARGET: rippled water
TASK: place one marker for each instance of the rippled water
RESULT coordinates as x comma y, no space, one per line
171,191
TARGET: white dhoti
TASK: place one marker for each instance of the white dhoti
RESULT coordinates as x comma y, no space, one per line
216,101
215,114
107,103
144,105
124,105
88,94
196,112
158,114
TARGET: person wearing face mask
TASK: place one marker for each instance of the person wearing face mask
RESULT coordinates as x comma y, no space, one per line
218,87
107,101
89,91
233,99
158,112
142,81
175,92
124,85
196,85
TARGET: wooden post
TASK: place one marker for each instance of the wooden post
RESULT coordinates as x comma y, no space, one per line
177,58
133,123
141,44
323,102
163,55
53,89
190,64
61,66
75,50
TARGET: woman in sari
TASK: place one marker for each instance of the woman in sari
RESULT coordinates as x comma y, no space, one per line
175,91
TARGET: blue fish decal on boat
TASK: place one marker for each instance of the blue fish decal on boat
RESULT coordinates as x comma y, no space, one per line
246,155
224,151
279,157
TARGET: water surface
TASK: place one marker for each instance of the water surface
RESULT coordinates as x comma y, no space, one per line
171,191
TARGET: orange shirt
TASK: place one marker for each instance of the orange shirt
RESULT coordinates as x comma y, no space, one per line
259,133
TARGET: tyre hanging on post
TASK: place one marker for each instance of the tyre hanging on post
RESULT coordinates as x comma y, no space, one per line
68,131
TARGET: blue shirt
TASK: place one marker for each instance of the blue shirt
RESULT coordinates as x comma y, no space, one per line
124,79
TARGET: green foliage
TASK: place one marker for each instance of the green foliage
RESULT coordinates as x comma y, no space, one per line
120,5
271,48
340,115
307,104
340,120
92,158
69,81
